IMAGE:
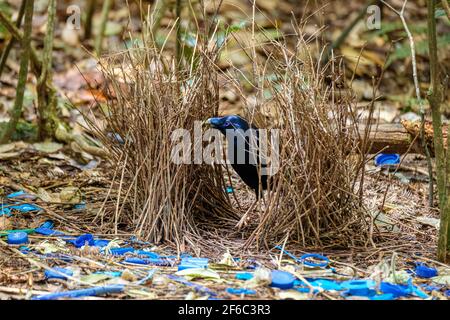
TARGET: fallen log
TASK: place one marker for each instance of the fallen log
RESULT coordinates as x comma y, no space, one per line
400,137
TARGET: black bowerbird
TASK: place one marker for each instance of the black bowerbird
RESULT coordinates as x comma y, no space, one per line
244,152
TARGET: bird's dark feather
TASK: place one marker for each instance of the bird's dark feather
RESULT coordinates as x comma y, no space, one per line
245,161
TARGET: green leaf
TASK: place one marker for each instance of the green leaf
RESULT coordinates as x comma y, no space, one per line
198,273
94,278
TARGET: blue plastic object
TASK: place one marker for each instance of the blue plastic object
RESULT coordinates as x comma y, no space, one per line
17,237
151,261
239,291
326,284
244,276
364,288
26,207
47,224
101,243
386,296
83,240
387,159
16,194
147,277
110,273
282,279
229,189
189,263
149,254
402,290
397,290
58,273
306,290
95,291
447,293
49,232
304,259
121,251
80,206
423,271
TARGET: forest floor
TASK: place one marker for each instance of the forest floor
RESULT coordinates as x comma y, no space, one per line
53,191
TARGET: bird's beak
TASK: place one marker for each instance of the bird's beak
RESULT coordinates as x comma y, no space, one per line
211,122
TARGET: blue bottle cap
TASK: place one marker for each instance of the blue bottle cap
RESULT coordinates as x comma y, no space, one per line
17,237
387,159
282,279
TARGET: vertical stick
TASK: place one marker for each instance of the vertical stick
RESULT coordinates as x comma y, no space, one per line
178,40
23,72
103,20
88,21
10,44
46,94
435,97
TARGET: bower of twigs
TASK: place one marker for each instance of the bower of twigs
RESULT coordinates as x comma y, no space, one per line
313,199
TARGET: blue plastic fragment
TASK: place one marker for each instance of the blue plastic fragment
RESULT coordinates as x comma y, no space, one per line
402,290
80,206
385,296
149,254
419,293
189,263
282,279
287,253
229,189
58,273
147,277
101,243
25,207
326,284
48,232
82,293
239,291
83,240
244,276
304,259
47,224
110,273
151,261
15,194
20,194
135,260
121,251
24,249
431,287
306,290
447,293
364,288
423,271
19,237
397,290
387,159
